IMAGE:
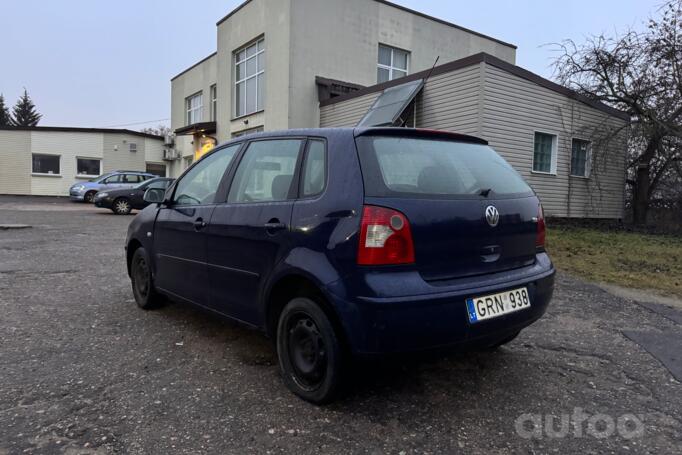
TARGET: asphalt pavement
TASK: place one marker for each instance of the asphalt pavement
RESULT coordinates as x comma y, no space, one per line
84,371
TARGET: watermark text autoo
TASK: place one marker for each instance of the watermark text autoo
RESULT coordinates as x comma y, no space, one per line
579,424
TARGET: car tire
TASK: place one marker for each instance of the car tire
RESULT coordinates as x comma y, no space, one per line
504,341
89,197
121,206
142,282
310,353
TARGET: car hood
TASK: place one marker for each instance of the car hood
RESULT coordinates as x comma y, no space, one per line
86,184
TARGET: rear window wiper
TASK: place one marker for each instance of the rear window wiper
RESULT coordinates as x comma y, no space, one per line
485,192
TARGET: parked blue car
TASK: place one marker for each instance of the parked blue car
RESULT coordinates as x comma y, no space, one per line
86,191
349,242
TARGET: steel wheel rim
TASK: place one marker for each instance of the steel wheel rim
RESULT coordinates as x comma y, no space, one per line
141,274
307,352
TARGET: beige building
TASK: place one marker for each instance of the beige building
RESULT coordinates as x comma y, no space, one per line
46,161
284,64
275,57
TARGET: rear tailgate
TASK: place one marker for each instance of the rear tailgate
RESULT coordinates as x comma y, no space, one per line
444,188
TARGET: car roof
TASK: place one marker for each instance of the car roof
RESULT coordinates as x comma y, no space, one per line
384,131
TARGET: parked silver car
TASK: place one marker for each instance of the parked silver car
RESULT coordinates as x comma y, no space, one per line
86,191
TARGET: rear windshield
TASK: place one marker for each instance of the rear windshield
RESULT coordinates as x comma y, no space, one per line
403,166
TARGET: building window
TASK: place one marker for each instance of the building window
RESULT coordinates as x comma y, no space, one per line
249,70
132,147
194,105
544,153
88,166
46,164
393,63
580,157
258,129
214,102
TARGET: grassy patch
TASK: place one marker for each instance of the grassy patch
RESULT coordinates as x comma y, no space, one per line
628,259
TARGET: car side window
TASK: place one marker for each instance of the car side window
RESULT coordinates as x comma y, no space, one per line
113,179
200,184
266,171
314,169
131,178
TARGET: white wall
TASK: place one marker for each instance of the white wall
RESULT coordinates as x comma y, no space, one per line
15,159
69,145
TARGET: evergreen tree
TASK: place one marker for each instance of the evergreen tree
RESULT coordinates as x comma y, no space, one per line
24,112
5,118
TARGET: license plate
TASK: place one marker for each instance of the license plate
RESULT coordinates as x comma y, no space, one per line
494,305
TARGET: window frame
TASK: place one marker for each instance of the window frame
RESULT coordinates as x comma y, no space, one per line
132,147
554,153
588,158
223,185
391,67
47,174
213,95
235,87
293,190
79,175
189,111
304,160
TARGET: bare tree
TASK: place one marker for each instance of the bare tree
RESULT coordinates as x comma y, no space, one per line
640,73
160,130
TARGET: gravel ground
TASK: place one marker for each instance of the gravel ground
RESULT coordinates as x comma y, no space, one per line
83,371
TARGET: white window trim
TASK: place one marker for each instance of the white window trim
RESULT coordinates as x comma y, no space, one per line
46,174
588,159
390,68
236,62
131,146
88,158
199,109
213,94
555,153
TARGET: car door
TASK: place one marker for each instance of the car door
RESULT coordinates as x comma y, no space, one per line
180,228
250,233
111,183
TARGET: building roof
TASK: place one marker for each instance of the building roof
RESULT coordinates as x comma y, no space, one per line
475,60
193,66
400,7
67,129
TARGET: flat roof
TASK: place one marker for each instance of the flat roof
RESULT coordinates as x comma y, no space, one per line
68,129
475,60
400,7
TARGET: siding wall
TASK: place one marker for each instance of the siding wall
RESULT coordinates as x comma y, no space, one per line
507,110
69,146
15,162
117,154
514,108
17,147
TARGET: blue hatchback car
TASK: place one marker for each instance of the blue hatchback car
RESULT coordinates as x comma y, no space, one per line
349,242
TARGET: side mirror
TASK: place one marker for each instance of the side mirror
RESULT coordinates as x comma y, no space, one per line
154,195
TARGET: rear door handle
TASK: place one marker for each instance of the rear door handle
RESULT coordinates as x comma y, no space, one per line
199,224
274,225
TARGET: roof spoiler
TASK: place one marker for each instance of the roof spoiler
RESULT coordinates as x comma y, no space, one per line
419,132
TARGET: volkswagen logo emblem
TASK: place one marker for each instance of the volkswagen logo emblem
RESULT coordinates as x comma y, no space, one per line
492,216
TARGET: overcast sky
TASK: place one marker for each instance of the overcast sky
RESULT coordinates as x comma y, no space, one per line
98,63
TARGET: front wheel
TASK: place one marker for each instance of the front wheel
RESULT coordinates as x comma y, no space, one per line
122,206
90,197
141,279
309,350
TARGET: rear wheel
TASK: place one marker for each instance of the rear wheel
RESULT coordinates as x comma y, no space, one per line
122,206
89,197
309,350
141,279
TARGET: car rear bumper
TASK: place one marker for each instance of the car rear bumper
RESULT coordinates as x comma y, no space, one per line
439,319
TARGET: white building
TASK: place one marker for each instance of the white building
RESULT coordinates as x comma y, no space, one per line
46,161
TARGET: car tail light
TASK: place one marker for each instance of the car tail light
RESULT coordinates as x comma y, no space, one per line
540,239
385,237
